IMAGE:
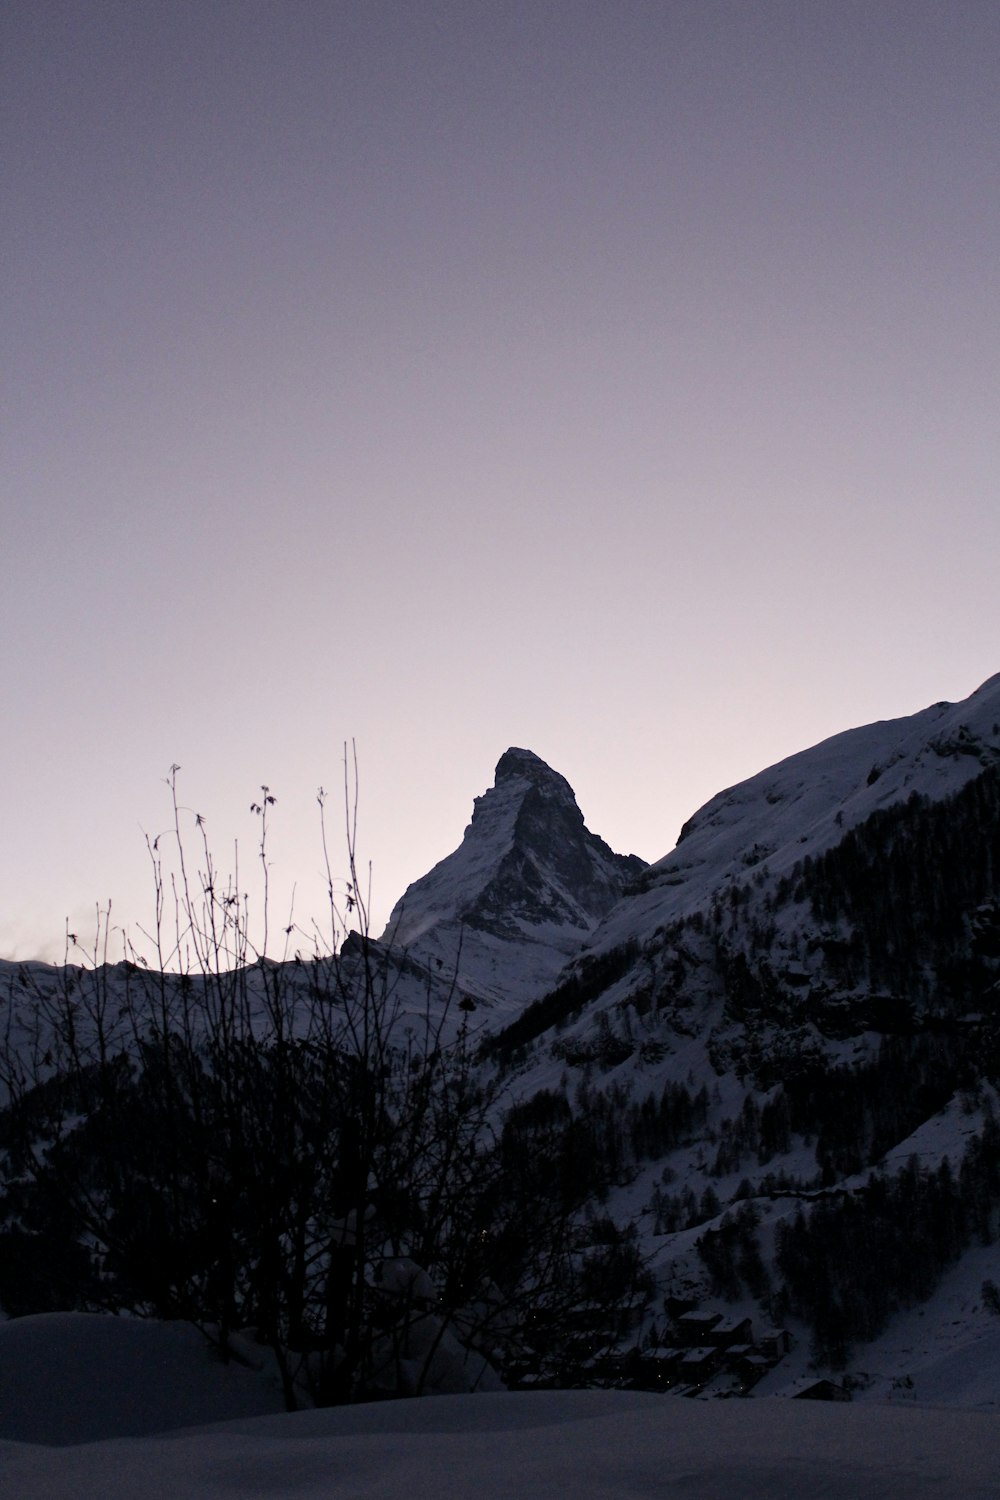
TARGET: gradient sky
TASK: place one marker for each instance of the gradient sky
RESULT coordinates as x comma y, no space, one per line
617,380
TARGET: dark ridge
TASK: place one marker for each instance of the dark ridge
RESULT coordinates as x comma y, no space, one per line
526,765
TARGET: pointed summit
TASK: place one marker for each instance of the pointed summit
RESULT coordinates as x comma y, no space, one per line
525,764
527,873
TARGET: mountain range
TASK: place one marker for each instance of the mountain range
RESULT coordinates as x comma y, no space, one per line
842,884
812,977
772,1055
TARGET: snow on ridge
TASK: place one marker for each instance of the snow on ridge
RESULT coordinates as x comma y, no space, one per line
804,804
502,913
455,881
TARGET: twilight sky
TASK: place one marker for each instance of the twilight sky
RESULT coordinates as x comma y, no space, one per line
617,380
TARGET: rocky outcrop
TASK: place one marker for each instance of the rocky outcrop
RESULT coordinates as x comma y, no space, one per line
521,894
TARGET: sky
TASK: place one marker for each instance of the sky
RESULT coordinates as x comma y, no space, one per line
616,380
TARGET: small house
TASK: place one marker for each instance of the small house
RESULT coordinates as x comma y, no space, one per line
693,1328
699,1365
730,1331
823,1390
676,1307
736,1352
774,1342
655,1369
750,1368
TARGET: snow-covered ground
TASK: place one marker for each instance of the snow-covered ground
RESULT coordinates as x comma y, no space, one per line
75,1378
93,1408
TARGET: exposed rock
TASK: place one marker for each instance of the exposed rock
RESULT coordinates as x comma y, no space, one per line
523,891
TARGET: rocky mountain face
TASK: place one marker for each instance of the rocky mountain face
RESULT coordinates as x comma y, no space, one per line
525,889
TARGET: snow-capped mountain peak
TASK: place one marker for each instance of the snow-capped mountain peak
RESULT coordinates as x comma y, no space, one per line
527,873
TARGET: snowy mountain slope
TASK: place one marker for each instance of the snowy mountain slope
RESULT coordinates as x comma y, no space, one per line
803,993
807,803
521,893
759,908
946,1352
